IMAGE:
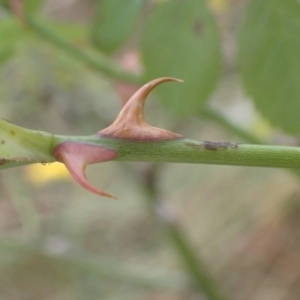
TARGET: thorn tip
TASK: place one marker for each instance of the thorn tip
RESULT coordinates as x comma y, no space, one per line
130,124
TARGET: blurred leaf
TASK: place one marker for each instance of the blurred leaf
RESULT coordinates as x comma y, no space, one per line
269,60
113,23
181,40
10,34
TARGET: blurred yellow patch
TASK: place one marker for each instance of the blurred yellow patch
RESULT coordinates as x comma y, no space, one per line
219,5
39,174
262,128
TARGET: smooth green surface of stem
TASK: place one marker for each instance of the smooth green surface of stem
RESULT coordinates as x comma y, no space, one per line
190,151
198,152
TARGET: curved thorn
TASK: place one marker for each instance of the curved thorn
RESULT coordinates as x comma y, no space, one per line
133,110
77,155
130,122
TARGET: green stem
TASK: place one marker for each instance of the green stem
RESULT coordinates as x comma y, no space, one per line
197,152
19,146
244,134
39,147
97,61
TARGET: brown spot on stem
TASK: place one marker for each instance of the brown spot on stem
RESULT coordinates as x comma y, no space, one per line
218,145
211,145
2,142
2,161
12,132
130,124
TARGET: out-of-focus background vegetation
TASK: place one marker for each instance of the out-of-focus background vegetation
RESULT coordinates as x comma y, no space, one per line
58,241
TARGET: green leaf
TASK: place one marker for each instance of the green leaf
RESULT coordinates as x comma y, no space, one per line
113,23
269,60
181,39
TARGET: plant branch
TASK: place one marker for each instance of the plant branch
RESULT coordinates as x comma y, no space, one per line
178,150
183,150
130,138
244,134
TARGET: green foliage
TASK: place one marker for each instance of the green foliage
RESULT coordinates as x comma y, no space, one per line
182,40
269,60
113,23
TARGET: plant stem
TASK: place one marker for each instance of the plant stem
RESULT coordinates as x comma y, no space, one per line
19,146
179,150
245,135
197,152
95,60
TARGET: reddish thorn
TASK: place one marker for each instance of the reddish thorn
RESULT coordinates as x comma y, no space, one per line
130,124
76,156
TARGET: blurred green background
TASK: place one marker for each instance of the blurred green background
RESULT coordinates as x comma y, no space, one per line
60,242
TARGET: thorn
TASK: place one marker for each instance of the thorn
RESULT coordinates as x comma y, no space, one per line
76,156
130,123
